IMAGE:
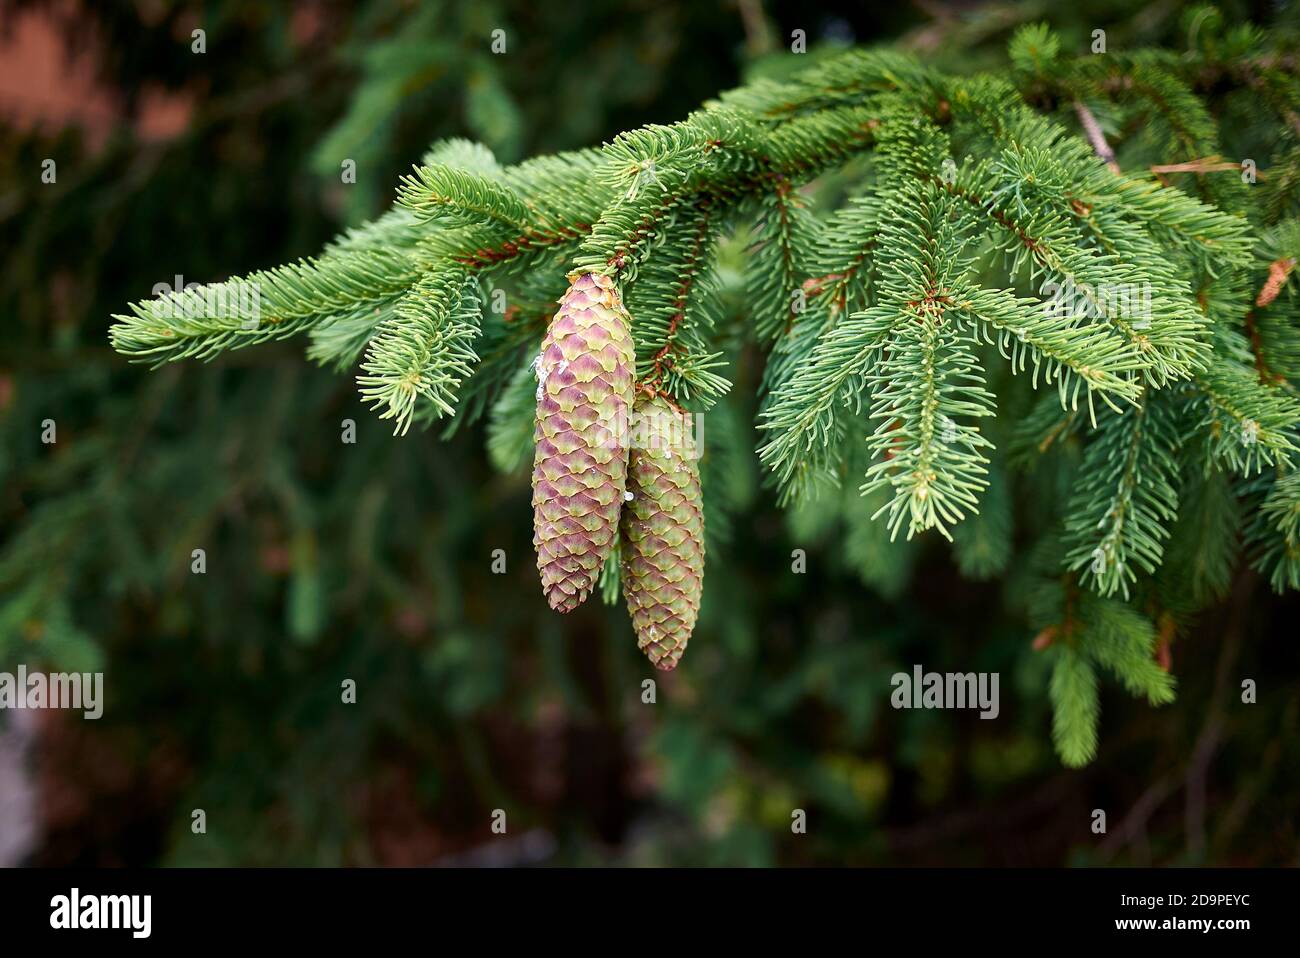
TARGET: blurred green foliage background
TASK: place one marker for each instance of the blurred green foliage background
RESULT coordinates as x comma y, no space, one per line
372,561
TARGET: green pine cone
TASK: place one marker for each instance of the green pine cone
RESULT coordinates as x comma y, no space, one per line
662,533
584,394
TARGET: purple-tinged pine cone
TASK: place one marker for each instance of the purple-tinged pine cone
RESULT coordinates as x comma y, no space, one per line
584,395
663,535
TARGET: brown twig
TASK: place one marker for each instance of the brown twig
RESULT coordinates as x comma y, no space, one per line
1206,164
758,30
1278,272
1266,375
1092,129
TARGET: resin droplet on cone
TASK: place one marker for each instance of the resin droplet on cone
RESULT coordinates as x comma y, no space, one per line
584,394
662,533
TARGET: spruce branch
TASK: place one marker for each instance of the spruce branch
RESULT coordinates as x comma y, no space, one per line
1076,710
675,305
776,266
1203,548
438,191
1089,357
424,351
929,382
1274,534
1119,517
931,460
1250,425
904,228
806,414
202,322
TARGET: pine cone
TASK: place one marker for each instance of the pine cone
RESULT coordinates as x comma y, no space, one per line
584,394
663,533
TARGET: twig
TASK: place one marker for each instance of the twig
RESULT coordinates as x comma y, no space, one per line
1095,136
1135,821
1206,164
1278,272
758,32
1212,731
